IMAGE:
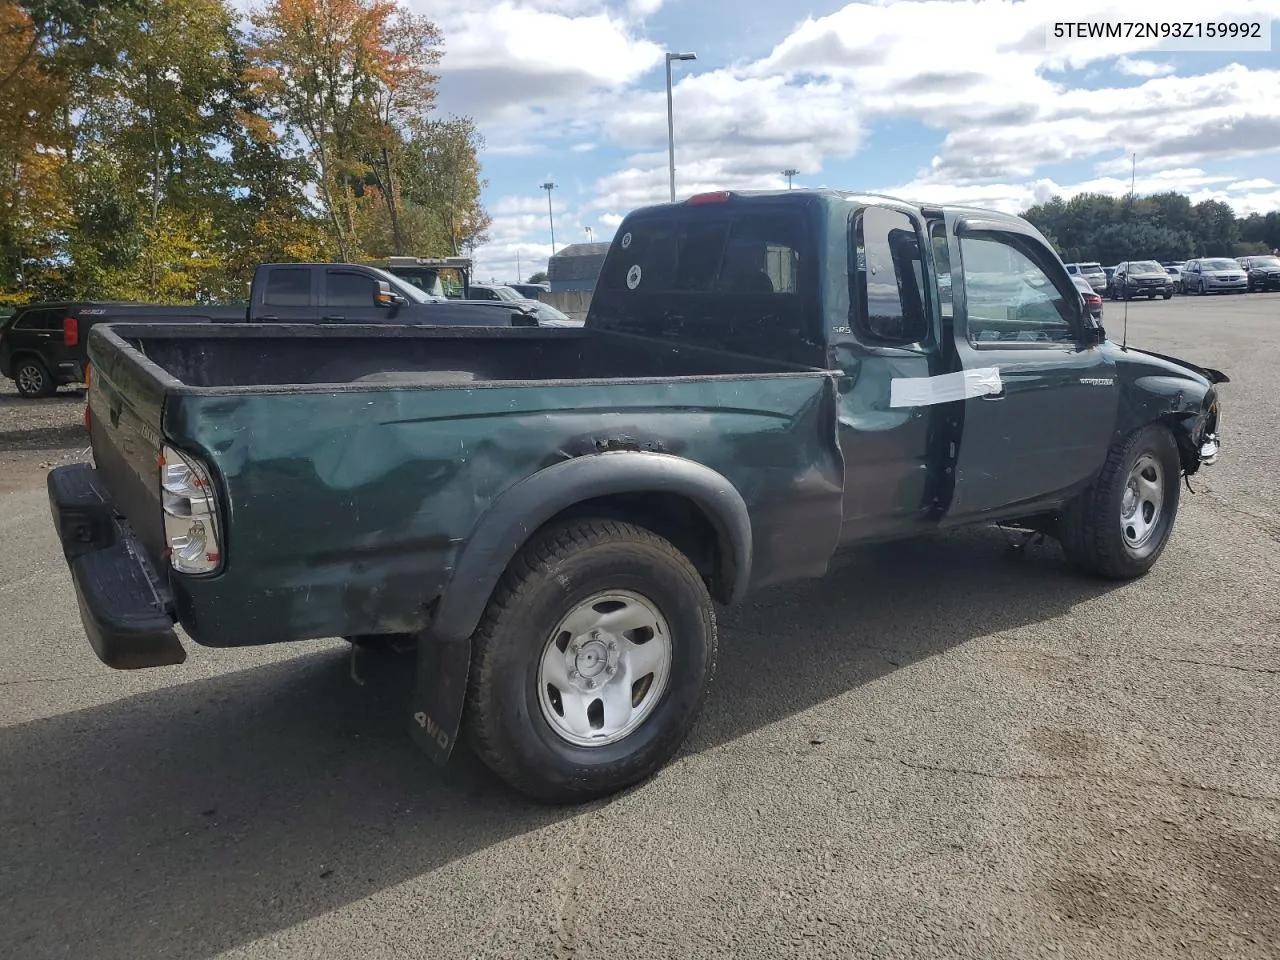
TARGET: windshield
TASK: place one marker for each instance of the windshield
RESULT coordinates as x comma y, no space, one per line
1221,265
1146,266
406,290
1270,262
1090,268
544,311
425,280
1082,285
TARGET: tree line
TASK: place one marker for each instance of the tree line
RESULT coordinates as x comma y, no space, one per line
158,150
1093,227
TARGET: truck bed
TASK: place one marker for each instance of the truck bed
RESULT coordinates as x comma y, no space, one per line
355,464
295,356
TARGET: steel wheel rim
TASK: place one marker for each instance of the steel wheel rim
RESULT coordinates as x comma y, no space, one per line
30,378
1142,503
604,669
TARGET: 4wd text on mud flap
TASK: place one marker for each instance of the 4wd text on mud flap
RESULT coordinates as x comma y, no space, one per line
433,730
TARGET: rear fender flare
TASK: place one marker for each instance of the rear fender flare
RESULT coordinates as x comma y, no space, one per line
444,655
523,508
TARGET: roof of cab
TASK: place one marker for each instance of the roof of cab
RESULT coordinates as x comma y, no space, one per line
852,197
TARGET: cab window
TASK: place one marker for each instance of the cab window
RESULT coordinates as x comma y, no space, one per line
1010,299
887,279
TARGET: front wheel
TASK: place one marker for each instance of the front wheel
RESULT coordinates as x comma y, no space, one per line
591,662
1120,525
1168,295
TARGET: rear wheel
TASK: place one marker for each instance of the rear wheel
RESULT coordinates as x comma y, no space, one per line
591,662
33,379
1120,525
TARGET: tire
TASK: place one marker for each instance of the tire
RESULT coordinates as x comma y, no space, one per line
1167,296
520,722
32,379
1095,535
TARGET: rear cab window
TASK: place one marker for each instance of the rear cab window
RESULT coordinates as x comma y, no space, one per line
288,287
741,276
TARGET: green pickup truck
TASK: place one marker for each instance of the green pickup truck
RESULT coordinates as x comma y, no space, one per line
552,514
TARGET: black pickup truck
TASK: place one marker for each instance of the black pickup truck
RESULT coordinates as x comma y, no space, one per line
42,347
552,513
355,293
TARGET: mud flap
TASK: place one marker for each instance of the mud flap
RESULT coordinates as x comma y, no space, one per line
439,694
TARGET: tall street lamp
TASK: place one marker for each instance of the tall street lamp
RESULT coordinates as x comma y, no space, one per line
549,186
589,237
789,173
671,126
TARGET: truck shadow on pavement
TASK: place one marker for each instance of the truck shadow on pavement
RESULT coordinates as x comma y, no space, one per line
186,821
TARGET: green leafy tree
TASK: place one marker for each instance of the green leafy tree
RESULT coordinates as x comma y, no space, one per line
442,174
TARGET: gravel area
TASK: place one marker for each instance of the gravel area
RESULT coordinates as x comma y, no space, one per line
36,435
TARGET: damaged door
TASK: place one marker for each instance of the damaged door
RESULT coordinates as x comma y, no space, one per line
1040,393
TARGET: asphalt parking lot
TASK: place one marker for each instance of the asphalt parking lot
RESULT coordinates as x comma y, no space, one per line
942,749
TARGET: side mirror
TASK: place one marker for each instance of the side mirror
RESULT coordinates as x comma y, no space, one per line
384,296
521,319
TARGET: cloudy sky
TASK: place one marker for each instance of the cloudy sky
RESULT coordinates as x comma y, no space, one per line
942,100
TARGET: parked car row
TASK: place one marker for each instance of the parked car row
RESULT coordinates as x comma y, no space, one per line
1147,278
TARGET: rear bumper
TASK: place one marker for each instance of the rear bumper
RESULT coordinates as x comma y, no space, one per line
69,371
126,609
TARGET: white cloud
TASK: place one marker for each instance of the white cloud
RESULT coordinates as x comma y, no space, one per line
522,66
1006,105
1143,68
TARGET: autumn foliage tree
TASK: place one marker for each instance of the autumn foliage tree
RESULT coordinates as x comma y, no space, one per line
33,203
350,76
161,149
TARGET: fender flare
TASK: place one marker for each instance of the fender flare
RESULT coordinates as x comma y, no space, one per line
526,506
444,654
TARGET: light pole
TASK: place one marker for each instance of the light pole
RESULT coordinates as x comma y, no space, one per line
549,186
671,126
789,173
589,238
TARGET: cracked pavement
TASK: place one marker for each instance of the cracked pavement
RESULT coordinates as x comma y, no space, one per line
942,749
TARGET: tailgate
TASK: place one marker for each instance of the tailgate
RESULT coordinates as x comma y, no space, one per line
126,402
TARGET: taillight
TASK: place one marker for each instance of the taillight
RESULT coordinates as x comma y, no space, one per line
190,513
70,331
698,199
